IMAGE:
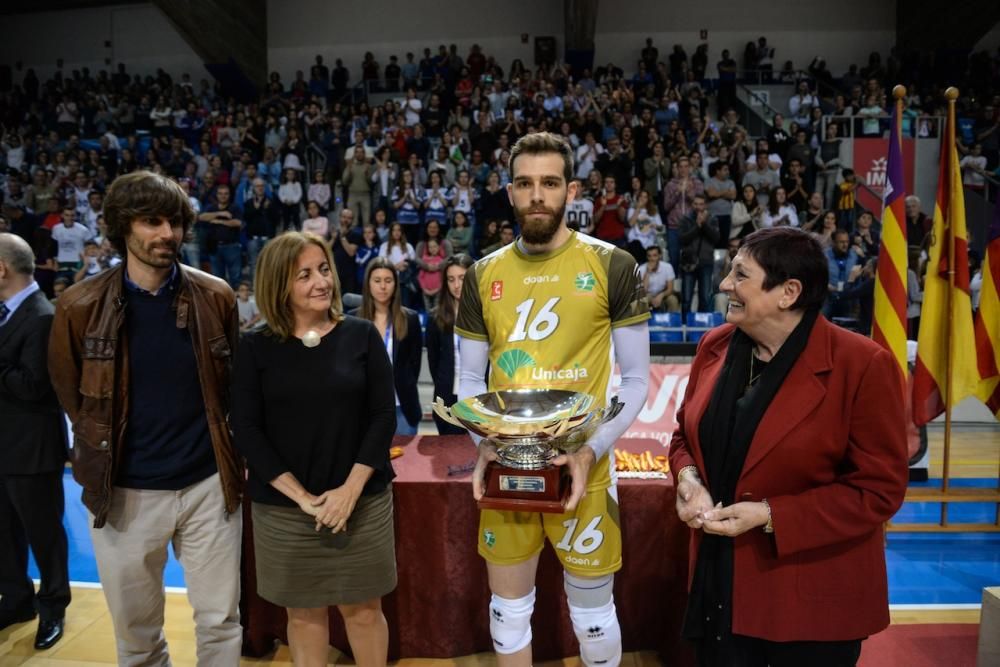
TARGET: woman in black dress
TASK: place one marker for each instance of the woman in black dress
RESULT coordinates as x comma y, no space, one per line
312,412
442,342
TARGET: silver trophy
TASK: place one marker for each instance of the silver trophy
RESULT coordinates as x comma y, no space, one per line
529,427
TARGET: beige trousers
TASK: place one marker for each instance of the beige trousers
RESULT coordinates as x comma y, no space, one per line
131,551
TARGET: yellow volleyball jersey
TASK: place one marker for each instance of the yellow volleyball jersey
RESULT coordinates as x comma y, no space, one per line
548,317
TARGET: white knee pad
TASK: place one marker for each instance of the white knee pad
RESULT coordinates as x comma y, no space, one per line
595,623
510,622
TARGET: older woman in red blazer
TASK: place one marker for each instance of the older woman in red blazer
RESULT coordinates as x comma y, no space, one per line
791,454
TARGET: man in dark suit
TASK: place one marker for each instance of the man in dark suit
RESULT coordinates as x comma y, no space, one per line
32,453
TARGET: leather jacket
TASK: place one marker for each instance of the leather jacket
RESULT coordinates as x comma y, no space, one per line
88,364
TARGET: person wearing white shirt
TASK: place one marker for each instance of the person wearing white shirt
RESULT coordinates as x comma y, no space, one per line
586,156
644,223
779,212
973,168
580,213
290,196
70,238
412,107
397,249
463,195
658,282
801,104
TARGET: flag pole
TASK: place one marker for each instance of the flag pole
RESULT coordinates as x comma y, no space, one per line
949,233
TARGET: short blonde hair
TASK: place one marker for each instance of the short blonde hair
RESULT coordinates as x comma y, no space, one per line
273,276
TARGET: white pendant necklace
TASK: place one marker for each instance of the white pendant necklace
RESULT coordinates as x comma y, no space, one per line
311,338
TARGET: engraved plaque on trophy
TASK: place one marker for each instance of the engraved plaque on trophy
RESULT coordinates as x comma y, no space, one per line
529,428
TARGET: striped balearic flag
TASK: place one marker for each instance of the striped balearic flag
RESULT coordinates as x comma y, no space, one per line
889,325
988,320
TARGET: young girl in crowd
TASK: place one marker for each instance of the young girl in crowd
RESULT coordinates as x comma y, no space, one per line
429,276
316,223
290,196
319,191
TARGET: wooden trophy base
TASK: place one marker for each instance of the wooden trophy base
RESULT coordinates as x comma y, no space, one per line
514,490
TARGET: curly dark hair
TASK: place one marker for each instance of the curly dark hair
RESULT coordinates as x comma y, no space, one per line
143,194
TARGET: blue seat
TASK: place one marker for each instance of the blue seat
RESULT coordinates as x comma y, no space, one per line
699,323
666,328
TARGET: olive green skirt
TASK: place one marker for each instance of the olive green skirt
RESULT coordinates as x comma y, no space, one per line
299,567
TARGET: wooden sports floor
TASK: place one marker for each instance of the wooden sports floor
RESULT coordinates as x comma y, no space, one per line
89,639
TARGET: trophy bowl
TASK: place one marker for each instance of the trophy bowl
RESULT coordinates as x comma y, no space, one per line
529,427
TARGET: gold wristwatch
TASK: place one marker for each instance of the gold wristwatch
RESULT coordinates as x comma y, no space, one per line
769,526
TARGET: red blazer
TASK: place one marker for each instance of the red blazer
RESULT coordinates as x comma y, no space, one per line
830,457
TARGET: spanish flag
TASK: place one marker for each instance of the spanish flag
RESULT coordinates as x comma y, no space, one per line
987,321
946,357
889,327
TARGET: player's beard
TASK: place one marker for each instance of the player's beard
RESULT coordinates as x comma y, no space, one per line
158,255
539,231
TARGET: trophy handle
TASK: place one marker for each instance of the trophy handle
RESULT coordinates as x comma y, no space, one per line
612,410
442,411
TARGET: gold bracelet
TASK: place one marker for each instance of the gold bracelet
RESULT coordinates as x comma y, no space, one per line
687,469
769,526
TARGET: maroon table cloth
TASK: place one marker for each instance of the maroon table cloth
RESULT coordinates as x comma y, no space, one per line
439,608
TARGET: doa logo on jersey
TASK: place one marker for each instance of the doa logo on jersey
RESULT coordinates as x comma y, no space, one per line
496,290
585,282
536,280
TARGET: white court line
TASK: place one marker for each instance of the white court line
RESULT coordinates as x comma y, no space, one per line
935,607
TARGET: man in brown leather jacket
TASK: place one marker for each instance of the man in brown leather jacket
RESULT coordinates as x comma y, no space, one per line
139,357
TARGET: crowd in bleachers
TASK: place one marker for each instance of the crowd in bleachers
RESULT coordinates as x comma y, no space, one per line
666,168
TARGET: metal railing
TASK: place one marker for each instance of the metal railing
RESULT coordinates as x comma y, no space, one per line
852,127
315,159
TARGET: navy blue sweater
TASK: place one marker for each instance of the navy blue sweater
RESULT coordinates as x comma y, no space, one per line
167,443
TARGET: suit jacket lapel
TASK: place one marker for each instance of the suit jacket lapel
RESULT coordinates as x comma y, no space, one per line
800,394
20,316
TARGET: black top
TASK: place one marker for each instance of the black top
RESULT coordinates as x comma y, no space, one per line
441,359
260,217
167,443
225,233
406,360
345,264
314,412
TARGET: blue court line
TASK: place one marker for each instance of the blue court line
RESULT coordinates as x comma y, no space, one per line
923,568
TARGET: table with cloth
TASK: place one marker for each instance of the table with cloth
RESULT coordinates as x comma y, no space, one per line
440,607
